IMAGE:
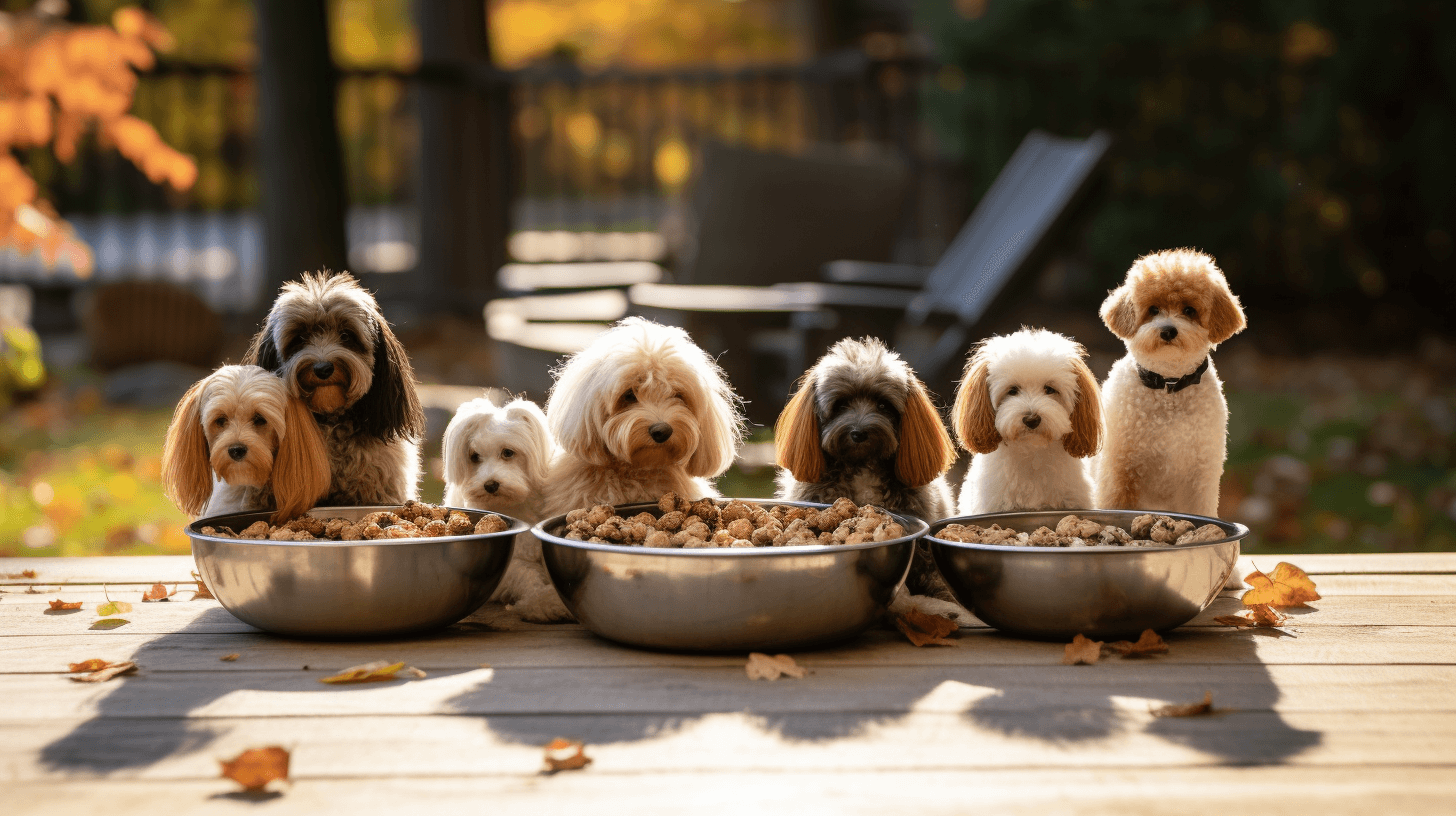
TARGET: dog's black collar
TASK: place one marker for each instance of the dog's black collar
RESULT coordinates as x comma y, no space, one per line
1158,382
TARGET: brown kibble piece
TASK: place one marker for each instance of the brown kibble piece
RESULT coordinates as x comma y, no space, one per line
459,524
490,523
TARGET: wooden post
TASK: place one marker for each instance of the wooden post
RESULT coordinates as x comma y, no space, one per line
465,188
300,164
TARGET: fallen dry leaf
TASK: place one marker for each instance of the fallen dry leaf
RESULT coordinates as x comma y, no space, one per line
60,604
1148,643
1260,615
377,671
17,575
112,608
1189,710
765,667
109,623
924,629
1081,650
565,755
157,593
228,658
202,593
102,673
1288,586
33,591
256,767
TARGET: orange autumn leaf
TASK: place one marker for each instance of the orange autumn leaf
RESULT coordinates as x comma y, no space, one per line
377,671
202,593
60,604
1190,710
770,667
565,755
94,664
25,574
156,593
1082,650
101,673
1148,643
1260,615
256,767
923,629
1288,586
228,658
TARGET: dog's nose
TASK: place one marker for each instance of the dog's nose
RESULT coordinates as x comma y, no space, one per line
1168,333
661,432
323,369
492,486
857,436
1031,421
237,452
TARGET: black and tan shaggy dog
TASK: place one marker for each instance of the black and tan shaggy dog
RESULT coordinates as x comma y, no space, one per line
863,427
327,339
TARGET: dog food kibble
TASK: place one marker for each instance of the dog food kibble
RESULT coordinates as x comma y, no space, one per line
413,520
1147,531
708,524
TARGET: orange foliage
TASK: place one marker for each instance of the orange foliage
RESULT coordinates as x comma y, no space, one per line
56,81
1288,586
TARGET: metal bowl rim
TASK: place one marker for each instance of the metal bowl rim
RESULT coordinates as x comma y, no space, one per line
921,525
1240,532
193,530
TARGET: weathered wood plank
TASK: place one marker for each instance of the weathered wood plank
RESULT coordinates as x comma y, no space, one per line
1354,563
1329,791
365,748
691,691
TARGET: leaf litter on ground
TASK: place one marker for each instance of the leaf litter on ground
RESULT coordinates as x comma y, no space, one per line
19,575
1149,643
157,593
228,658
59,604
924,629
374,672
96,670
770,667
1287,586
1085,651
256,767
562,754
1198,709
1082,650
202,593
109,623
1259,615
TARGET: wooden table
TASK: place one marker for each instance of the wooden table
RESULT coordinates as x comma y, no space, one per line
1354,710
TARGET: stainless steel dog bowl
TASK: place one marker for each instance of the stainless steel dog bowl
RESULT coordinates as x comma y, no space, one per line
726,600
1100,592
350,589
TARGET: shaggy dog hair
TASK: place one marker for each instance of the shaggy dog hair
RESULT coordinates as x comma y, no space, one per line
238,442
640,412
1028,406
1167,420
327,339
496,459
861,426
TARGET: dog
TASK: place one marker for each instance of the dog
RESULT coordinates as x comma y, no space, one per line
1167,420
638,413
861,426
326,337
239,442
497,459
1029,408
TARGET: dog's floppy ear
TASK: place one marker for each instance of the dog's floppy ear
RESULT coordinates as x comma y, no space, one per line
262,352
1225,316
796,436
925,448
1085,438
1119,311
974,412
721,429
453,445
301,472
186,472
543,445
391,407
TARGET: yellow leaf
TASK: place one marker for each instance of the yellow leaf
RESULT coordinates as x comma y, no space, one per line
377,671
924,629
102,673
228,658
1082,650
113,608
109,623
1288,586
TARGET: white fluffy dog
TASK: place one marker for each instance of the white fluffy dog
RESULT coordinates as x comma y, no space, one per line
238,442
1029,407
496,458
1167,420
640,412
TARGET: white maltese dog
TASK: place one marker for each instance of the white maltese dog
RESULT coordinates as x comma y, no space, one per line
1167,420
640,412
238,442
496,458
1029,407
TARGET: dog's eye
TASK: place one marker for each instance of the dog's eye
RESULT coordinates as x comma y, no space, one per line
346,336
1013,391
259,421
220,422
678,395
629,397
507,453
1153,311
1190,311
1050,390
474,458
883,407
